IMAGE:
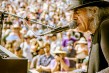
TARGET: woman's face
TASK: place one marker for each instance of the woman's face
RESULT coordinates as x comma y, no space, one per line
80,15
59,56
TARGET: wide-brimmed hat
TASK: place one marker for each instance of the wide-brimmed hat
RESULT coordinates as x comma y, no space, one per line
82,40
26,36
16,26
59,50
85,3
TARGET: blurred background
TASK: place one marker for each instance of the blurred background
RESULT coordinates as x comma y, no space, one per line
21,36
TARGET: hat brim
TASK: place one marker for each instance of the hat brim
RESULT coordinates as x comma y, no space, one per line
57,52
95,3
82,42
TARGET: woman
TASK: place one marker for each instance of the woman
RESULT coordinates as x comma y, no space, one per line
59,63
82,51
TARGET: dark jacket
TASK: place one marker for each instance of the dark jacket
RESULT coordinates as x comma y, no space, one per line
99,55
